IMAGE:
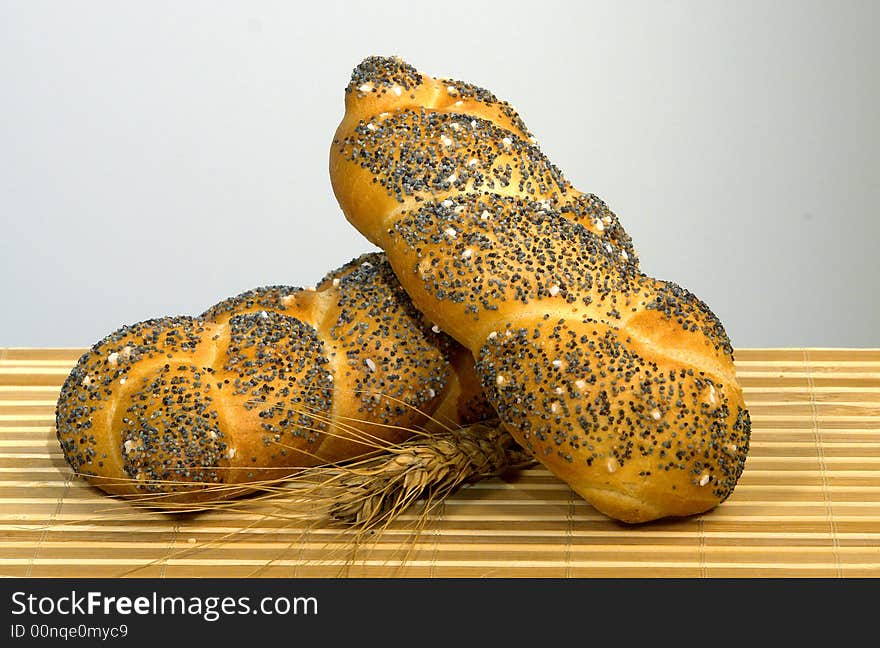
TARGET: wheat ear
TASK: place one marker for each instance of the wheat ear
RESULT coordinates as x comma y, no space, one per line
374,491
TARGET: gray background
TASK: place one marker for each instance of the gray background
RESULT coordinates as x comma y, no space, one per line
156,157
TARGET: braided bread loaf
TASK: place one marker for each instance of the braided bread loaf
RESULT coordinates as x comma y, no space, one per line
183,409
621,384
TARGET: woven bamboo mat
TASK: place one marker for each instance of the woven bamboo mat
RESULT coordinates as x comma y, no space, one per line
808,504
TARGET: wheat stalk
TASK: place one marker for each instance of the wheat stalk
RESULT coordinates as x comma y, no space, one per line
364,494
368,494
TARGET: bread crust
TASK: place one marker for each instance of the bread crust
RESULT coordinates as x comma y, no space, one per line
623,385
184,409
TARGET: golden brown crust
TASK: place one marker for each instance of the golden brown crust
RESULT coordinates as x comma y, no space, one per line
616,419
623,385
272,380
442,138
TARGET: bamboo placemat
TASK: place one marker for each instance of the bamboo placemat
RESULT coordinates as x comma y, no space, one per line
808,504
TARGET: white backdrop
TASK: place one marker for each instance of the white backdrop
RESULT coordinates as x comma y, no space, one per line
156,157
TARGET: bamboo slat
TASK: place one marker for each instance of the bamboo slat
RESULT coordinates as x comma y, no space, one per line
808,504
